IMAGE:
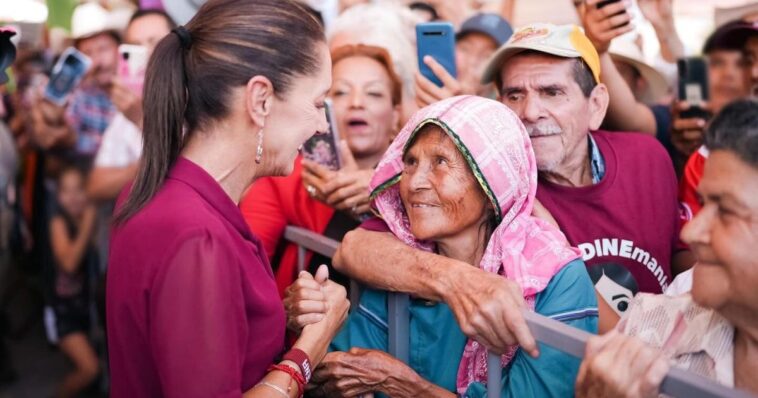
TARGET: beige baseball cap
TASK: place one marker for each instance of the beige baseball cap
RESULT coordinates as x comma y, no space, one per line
568,41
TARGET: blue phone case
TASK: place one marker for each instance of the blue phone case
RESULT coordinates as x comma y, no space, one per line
438,40
66,75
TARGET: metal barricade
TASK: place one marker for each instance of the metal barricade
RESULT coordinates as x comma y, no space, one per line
678,383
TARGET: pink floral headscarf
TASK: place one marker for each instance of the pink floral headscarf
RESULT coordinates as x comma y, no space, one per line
522,248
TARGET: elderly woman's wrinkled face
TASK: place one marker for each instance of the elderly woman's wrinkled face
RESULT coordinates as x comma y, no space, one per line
724,235
438,189
362,97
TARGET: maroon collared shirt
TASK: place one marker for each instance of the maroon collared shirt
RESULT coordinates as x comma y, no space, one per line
192,306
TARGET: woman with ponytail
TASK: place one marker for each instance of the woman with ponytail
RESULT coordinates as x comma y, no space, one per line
192,306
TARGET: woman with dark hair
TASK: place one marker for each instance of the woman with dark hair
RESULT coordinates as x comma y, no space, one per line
192,305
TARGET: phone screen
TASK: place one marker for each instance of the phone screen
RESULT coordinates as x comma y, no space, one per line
323,148
693,85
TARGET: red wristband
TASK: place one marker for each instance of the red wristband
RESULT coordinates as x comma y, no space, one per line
299,357
299,379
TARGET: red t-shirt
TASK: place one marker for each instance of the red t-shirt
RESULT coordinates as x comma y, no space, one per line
192,306
630,218
693,172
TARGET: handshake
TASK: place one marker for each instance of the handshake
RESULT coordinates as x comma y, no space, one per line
316,309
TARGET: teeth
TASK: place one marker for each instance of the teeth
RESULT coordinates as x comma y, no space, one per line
420,205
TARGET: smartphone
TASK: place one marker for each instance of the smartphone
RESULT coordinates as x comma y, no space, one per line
132,63
604,3
324,148
436,39
67,73
693,85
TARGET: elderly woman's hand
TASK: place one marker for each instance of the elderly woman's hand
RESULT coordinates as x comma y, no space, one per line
305,300
427,92
616,365
346,189
361,371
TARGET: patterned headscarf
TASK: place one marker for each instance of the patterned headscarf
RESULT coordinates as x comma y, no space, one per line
496,146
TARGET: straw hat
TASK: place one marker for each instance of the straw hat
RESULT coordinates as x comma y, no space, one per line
629,53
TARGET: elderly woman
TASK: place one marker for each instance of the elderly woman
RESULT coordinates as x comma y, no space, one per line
460,180
366,93
714,330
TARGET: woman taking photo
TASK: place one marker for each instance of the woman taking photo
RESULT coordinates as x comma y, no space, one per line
192,305
366,95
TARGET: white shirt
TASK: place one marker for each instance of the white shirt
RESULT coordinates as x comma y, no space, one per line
121,145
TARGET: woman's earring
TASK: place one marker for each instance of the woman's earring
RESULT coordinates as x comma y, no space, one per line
259,152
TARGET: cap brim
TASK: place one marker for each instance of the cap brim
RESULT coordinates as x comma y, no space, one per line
657,86
497,59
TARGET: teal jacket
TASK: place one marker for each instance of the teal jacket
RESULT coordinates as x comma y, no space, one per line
436,341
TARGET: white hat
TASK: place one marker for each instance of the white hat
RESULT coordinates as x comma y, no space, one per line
90,19
181,11
629,53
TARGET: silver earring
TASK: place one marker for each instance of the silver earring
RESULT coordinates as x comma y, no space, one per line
259,152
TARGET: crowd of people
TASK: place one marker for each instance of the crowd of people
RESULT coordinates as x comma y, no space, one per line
553,171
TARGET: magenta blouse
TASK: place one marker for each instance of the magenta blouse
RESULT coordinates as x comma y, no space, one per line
192,306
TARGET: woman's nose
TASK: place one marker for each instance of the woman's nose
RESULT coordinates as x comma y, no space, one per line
356,99
419,178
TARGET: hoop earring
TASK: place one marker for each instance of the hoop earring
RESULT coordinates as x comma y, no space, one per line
259,151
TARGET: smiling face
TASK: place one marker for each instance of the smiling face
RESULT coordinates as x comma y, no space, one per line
362,97
438,190
295,116
724,235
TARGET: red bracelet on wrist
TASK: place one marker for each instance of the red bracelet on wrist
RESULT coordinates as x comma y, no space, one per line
299,379
299,357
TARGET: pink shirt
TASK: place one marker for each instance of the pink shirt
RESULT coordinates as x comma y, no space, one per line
192,307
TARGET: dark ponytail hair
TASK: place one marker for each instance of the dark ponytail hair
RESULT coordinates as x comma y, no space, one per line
189,80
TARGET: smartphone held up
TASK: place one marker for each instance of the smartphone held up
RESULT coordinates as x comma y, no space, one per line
132,63
323,148
436,39
67,73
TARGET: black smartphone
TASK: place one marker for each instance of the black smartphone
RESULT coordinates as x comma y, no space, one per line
67,73
436,39
605,3
693,86
324,148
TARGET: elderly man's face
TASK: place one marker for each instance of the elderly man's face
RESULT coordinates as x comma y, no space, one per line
438,189
541,89
724,235
102,49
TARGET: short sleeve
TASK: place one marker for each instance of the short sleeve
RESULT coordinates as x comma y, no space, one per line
197,320
116,148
